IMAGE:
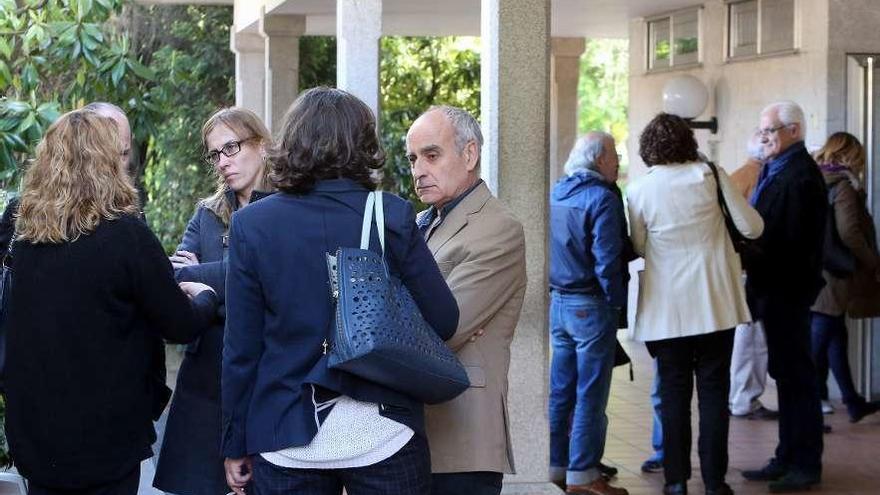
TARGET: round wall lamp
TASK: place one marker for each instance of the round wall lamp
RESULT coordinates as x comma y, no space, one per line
687,97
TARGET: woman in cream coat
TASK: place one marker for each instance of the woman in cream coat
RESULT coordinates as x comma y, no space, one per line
691,294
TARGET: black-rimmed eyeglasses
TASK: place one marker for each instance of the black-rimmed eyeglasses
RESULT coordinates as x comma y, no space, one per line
771,130
228,150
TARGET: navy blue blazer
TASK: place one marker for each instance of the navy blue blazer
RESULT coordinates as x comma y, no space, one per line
279,311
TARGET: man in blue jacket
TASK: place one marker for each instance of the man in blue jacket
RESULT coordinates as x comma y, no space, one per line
587,292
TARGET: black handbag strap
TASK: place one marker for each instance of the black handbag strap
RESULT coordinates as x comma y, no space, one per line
734,232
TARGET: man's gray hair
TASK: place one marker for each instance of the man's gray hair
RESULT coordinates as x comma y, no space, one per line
788,112
464,124
586,152
103,107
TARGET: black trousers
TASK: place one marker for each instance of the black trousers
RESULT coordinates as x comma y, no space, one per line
678,360
473,483
126,486
790,363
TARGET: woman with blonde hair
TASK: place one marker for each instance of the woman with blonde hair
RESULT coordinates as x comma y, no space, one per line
234,140
93,293
842,160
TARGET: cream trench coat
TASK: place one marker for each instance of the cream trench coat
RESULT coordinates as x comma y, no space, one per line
692,282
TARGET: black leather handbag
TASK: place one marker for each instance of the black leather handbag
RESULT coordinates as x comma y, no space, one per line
380,334
837,259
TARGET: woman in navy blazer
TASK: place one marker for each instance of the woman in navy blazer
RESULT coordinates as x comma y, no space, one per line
291,424
234,140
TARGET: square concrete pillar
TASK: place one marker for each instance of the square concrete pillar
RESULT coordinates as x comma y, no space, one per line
515,112
358,28
281,33
565,67
250,70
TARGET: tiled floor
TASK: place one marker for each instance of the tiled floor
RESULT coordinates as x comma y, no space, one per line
851,460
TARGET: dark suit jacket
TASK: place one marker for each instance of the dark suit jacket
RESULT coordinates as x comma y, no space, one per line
279,311
786,264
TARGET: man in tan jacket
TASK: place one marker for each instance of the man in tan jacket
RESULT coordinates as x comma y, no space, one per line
480,249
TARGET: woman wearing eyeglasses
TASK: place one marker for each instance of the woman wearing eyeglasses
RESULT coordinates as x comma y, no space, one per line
189,462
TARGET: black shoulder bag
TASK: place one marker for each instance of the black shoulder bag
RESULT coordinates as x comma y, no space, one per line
741,244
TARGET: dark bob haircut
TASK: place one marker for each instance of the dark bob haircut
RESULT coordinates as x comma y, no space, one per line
327,134
667,139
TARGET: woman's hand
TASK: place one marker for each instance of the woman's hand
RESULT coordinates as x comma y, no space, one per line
193,289
238,473
181,259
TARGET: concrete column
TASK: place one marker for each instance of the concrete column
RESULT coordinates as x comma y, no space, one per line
565,65
250,70
281,33
358,28
515,111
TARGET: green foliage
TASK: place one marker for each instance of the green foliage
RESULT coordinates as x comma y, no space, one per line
197,78
415,74
59,54
603,91
686,45
317,61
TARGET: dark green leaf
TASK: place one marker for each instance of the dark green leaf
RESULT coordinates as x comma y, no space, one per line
26,123
141,71
118,72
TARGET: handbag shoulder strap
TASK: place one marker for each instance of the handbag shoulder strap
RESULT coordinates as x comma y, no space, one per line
725,211
374,206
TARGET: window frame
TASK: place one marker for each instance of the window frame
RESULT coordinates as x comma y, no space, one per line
670,17
759,53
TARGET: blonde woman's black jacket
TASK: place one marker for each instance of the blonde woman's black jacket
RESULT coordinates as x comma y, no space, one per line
84,319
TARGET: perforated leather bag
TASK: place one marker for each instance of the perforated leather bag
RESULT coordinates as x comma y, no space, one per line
380,334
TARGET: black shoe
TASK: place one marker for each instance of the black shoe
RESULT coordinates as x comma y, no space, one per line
794,481
860,409
772,471
722,489
607,471
679,488
651,466
762,413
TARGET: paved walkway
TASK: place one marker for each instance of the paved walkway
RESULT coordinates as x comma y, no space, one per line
852,452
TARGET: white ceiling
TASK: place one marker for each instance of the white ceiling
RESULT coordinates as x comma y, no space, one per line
586,18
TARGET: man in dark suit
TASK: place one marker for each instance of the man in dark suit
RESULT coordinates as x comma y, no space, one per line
784,269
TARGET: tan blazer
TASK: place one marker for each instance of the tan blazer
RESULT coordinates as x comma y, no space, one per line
480,249
692,282
745,178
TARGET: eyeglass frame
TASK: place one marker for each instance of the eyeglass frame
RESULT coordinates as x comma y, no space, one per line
208,156
773,130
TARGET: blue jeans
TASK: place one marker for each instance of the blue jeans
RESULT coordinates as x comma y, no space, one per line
657,429
829,346
582,335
